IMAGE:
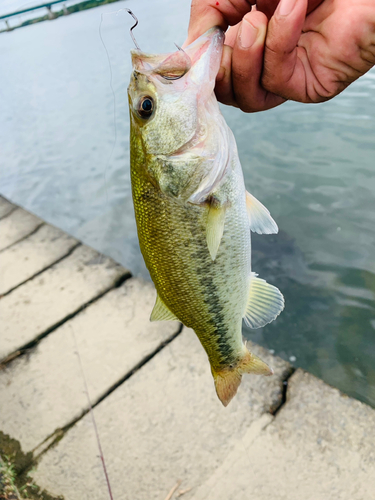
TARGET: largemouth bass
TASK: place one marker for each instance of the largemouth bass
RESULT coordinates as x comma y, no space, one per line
193,213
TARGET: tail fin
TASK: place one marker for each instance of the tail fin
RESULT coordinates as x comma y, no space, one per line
228,379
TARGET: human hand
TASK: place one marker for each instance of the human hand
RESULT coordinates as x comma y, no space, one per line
310,55
312,58
238,82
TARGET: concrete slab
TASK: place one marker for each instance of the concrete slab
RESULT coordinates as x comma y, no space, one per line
320,446
45,390
16,226
23,260
164,423
44,301
5,207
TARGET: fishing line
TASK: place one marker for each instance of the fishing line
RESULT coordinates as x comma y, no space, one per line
113,92
111,75
92,415
114,99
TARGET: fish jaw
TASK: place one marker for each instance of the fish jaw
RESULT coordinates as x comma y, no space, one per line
194,66
205,54
229,378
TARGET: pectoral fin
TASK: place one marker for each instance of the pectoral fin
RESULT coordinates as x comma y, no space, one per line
215,228
265,303
260,219
161,312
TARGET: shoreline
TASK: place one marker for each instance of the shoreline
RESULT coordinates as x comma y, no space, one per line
82,6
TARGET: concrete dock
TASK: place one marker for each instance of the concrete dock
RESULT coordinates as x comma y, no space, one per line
163,432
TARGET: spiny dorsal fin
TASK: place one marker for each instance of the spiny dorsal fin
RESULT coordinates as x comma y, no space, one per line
215,228
260,219
265,303
161,312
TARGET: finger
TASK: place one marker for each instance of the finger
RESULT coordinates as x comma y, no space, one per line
268,7
247,65
284,62
205,14
231,35
223,87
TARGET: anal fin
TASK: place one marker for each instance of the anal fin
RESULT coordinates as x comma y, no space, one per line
260,219
265,303
161,312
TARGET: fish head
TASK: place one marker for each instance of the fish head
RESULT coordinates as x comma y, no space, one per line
167,92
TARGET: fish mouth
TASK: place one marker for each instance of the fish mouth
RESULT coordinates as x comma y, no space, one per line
205,54
168,66
201,60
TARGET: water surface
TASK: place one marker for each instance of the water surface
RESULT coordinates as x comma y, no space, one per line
311,165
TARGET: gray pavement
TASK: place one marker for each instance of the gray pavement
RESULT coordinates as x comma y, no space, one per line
16,225
5,207
43,302
161,426
320,446
33,254
44,391
165,423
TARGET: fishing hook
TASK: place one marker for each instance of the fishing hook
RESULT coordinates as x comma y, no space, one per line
137,46
131,29
184,73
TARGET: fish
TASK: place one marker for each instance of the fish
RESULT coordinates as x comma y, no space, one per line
194,216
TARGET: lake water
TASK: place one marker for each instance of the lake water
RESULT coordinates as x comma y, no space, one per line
313,166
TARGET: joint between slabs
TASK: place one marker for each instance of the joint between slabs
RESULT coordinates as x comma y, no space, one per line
54,438
29,346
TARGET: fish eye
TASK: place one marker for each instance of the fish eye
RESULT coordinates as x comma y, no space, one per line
146,107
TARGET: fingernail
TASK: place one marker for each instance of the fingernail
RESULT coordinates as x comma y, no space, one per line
247,34
220,74
286,6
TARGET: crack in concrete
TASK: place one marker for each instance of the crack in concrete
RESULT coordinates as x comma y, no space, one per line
284,393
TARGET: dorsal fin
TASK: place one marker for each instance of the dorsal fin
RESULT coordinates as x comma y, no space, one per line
265,303
161,312
260,219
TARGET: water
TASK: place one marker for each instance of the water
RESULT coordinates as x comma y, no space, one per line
311,165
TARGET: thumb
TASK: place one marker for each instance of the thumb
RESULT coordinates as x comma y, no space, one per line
205,14
284,72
